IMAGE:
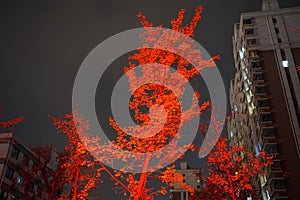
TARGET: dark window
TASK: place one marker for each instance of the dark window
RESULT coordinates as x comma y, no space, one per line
257,77
265,117
276,165
15,153
268,132
34,166
271,148
255,65
30,187
263,103
249,31
25,161
183,174
251,41
279,184
9,173
40,191
277,30
274,20
247,21
279,40
260,90
282,54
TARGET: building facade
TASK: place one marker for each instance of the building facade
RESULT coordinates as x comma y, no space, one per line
265,95
17,162
190,178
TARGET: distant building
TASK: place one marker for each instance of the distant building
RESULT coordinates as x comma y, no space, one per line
190,178
16,160
265,95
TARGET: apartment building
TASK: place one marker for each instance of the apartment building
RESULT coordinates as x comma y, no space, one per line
17,162
265,95
190,178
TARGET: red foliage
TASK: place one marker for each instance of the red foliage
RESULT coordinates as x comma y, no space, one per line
146,57
230,171
11,123
77,169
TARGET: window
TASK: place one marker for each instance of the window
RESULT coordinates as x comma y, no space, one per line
276,30
263,103
285,63
253,53
268,132
39,192
260,90
34,166
276,165
278,184
258,76
265,117
30,187
14,153
247,21
251,41
9,173
20,180
4,195
25,160
271,148
249,31
255,65
282,52
274,20
279,40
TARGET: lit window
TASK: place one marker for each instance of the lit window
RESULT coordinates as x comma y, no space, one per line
248,98
20,180
285,63
241,54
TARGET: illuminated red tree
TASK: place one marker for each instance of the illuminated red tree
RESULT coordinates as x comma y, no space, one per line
7,125
77,171
230,171
152,93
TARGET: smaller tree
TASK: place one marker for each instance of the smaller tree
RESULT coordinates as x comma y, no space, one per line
79,172
230,171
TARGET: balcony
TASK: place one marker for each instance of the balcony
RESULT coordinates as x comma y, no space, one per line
262,104
260,91
267,132
277,184
265,117
249,31
247,22
251,42
256,66
253,54
270,148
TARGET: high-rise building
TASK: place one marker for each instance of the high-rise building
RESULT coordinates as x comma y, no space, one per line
190,178
16,162
265,95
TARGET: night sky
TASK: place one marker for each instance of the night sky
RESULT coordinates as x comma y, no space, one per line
43,44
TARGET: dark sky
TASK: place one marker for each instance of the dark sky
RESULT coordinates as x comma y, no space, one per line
43,44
